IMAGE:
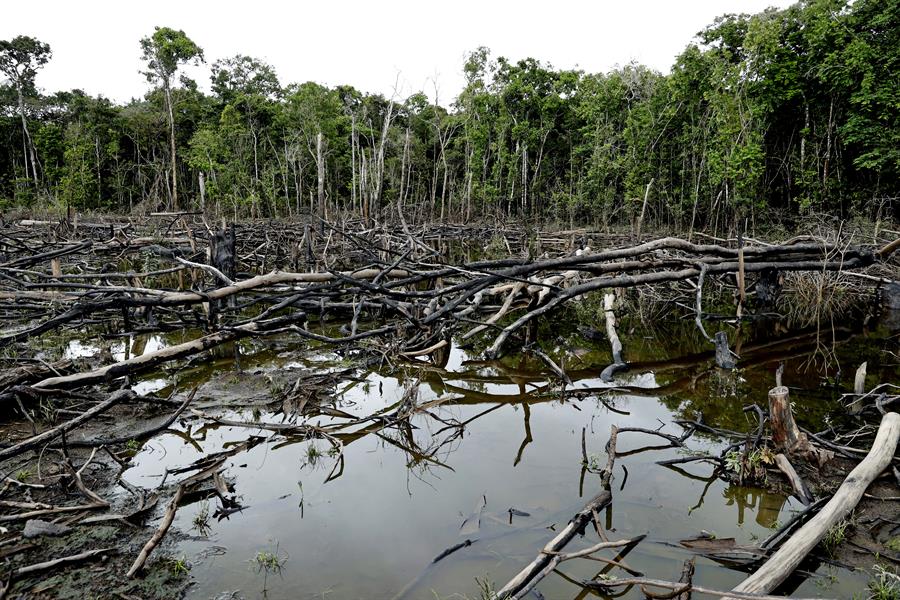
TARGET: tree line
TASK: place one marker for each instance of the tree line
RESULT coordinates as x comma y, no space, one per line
766,117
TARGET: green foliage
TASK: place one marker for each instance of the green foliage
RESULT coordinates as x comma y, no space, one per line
835,536
884,585
177,567
486,589
749,466
773,115
165,50
20,59
594,463
201,519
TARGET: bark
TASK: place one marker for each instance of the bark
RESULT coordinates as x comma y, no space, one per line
320,178
785,433
781,564
171,114
27,135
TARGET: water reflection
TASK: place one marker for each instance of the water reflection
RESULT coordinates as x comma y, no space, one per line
487,464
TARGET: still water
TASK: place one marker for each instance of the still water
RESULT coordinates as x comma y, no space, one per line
371,527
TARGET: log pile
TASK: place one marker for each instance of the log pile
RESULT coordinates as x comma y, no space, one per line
412,292
414,298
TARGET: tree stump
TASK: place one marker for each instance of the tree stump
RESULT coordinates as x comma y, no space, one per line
785,433
724,360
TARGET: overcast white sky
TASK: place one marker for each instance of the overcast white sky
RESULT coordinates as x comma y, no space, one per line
367,44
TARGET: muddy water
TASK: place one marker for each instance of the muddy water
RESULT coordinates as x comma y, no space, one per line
373,528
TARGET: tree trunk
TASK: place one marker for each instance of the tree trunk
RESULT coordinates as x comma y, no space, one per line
202,183
171,113
353,162
320,167
785,433
28,143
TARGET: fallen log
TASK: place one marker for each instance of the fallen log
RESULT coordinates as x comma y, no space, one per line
59,430
800,488
153,359
781,564
210,468
676,587
158,534
58,562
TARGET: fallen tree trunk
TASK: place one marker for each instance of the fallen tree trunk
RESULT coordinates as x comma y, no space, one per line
158,535
781,564
50,434
152,359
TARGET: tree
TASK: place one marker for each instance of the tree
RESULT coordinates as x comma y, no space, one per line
20,59
165,51
244,76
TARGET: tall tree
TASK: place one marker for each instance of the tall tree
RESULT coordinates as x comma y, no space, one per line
20,59
165,51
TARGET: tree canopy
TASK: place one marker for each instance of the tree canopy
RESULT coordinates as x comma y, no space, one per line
771,117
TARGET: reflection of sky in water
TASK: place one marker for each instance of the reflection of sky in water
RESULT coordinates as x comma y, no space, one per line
78,349
139,345
148,386
136,345
373,531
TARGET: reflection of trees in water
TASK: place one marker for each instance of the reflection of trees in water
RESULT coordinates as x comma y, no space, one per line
766,504
429,432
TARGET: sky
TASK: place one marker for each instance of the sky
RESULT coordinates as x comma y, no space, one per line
394,47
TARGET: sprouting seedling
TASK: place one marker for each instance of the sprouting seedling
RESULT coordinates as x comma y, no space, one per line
269,562
313,454
178,567
201,519
835,536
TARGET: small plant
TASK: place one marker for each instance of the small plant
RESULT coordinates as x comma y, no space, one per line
893,544
485,588
201,519
269,562
47,411
884,585
835,537
23,475
132,445
594,463
313,454
827,580
734,461
178,567
749,466
276,389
